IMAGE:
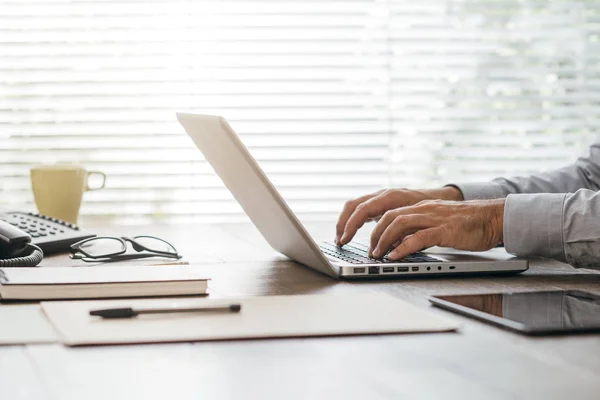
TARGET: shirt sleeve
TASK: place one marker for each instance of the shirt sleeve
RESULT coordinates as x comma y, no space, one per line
565,227
533,225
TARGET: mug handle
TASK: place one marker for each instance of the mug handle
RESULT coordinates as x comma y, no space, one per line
90,173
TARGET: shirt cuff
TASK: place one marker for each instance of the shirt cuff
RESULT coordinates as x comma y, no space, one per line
486,190
533,225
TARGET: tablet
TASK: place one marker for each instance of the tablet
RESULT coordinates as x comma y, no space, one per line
532,313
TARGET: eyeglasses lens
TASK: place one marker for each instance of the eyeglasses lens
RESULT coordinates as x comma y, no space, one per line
103,246
155,244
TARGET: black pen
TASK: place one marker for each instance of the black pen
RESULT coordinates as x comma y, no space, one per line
129,312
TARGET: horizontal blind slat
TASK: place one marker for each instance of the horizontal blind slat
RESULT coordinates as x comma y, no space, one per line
333,98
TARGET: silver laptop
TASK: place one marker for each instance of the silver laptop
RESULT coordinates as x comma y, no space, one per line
281,228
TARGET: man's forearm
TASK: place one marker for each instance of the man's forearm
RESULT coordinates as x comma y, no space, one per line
583,174
565,180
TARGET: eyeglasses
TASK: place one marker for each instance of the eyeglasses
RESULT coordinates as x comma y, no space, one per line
109,248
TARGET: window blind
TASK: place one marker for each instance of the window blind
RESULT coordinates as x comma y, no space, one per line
333,98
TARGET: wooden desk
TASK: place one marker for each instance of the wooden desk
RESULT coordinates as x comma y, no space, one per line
479,362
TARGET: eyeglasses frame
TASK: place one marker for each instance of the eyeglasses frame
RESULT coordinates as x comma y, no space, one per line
76,248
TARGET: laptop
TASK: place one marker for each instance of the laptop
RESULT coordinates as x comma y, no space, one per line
278,224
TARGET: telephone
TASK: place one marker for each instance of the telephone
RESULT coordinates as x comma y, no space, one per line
25,237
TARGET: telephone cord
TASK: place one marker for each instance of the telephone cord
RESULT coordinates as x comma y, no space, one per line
34,257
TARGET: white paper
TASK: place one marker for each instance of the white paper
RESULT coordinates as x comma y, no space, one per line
24,324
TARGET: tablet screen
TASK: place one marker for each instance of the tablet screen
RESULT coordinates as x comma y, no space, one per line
534,312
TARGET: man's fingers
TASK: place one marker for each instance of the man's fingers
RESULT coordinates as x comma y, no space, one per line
400,227
387,218
420,240
380,227
369,209
347,211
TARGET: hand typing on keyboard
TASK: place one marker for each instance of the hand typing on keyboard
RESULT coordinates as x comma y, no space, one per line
356,253
410,223
371,207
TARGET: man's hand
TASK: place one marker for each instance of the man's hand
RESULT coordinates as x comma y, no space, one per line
464,225
372,206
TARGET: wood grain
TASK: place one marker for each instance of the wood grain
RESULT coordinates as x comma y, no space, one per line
19,377
479,362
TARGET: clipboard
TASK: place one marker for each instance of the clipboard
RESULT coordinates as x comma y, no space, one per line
368,313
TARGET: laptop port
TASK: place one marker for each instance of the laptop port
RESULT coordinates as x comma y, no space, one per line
439,267
402,269
373,270
415,269
387,269
452,267
359,270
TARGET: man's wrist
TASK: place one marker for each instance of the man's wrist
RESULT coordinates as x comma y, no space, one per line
446,193
497,219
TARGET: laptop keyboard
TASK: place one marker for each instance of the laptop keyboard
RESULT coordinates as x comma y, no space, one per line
357,253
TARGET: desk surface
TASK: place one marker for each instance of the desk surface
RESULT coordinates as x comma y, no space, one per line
479,362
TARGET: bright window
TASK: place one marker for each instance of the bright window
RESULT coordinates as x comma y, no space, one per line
334,98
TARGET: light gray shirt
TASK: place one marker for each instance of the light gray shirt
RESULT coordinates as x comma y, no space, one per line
554,214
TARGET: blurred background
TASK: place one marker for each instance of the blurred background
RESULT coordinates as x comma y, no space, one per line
333,98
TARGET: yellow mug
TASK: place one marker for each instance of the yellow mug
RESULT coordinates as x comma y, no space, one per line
58,189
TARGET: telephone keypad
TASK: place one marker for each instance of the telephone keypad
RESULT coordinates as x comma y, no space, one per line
50,234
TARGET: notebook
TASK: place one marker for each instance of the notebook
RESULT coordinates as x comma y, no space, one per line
50,283
339,314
